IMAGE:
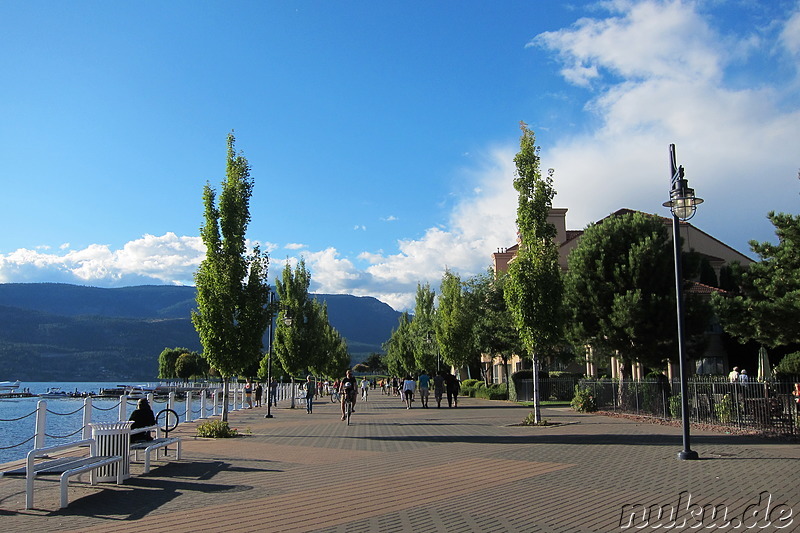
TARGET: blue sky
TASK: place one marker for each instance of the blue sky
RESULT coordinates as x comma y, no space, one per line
380,134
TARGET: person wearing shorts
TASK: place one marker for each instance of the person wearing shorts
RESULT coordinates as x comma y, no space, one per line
408,390
424,386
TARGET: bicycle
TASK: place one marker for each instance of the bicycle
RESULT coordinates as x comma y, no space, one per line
348,408
335,396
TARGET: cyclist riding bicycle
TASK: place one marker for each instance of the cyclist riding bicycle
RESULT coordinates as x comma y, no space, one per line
347,389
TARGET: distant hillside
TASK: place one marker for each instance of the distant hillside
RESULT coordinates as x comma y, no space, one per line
52,331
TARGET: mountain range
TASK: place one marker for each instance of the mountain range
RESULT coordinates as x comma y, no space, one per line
61,332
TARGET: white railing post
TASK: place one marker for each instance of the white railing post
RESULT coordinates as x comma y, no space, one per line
171,401
203,403
214,403
41,424
123,408
87,418
188,406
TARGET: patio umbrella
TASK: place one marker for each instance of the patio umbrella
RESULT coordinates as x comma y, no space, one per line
764,370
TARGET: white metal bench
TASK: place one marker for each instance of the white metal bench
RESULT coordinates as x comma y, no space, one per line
66,467
150,446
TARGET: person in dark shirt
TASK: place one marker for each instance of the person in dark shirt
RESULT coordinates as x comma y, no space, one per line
347,390
142,417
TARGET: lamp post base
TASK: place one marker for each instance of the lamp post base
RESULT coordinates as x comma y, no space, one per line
268,416
688,455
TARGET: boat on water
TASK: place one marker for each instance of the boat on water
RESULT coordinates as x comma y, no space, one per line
9,386
131,391
54,393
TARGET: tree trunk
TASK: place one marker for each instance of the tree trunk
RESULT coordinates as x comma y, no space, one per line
623,385
537,410
225,391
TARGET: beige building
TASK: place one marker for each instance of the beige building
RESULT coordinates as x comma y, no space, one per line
715,251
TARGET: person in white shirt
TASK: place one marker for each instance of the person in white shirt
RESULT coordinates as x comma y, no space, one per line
409,385
364,388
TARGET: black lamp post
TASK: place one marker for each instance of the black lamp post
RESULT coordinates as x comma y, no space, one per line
271,300
683,205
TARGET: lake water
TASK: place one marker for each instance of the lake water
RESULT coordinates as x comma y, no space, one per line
65,415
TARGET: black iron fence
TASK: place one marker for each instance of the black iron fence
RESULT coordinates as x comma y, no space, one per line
763,406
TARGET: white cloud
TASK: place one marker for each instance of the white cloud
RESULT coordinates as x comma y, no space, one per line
790,36
166,259
738,145
655,71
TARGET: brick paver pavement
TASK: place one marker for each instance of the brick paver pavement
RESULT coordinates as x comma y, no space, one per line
464,469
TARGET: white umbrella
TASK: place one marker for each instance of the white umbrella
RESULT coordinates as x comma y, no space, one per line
764,370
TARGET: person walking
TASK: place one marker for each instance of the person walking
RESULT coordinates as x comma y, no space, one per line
424,385
364,388
259,393
438,388
453,387
311,389
248,393
408,390
272,396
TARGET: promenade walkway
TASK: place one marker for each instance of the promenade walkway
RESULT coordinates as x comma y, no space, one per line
420,470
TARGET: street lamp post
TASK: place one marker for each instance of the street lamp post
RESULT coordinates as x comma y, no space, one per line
683,205
271,300
287,319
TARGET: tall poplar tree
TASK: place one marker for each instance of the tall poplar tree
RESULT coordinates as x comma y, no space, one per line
232,288
455,319
422,329
534,287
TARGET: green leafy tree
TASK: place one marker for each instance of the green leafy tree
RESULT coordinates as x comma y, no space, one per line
188,365
333,358
232,313
621,296
790,364
493,331
309,342
455,320
767,308
166,362
374,362
423,330
534,288
400,348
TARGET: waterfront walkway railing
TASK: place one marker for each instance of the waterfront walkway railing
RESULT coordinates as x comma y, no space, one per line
197,405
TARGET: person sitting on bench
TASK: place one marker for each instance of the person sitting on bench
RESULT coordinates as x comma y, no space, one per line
142,417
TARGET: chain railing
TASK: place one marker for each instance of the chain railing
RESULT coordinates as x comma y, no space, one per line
191,412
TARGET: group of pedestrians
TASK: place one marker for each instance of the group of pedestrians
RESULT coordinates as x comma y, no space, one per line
253,393
408,387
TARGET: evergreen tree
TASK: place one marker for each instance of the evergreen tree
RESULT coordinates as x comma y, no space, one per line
621,296
767,310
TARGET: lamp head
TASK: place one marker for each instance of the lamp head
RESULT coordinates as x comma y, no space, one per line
683,203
